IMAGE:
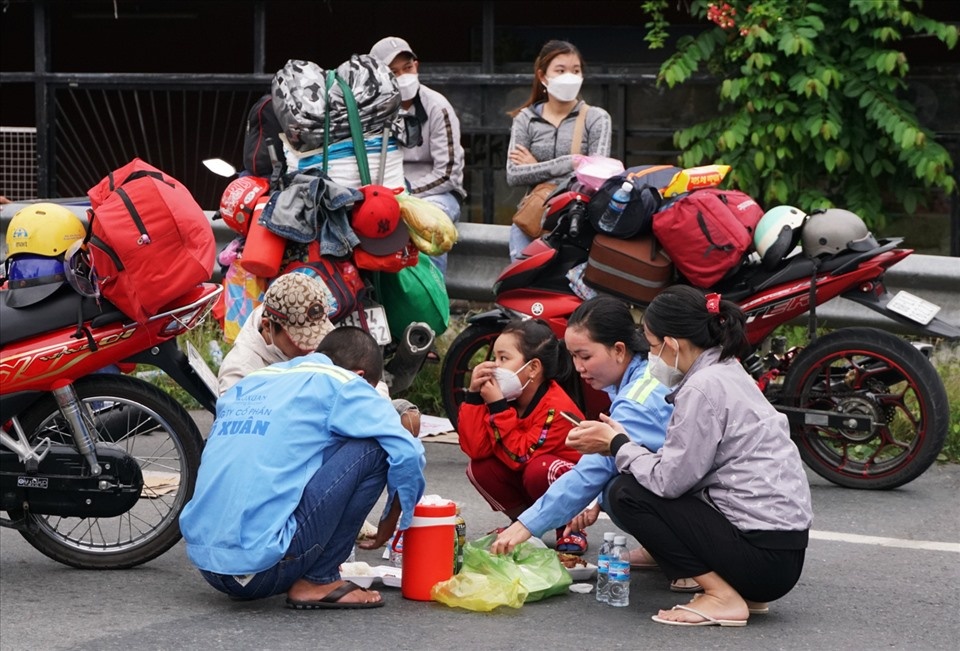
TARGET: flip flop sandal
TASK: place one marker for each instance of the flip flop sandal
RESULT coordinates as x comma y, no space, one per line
706,621
676,586
332,600
574,543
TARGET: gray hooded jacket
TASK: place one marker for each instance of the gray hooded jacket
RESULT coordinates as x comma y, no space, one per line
729,446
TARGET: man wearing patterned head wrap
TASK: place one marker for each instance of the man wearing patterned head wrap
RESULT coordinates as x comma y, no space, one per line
291,322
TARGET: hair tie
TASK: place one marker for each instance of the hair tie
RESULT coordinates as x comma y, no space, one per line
713,303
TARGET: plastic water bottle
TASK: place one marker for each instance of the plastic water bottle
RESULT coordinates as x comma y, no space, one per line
619,583
610,216
396,555
619,550
603,562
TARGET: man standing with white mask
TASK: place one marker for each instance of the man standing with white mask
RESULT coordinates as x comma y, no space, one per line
433,161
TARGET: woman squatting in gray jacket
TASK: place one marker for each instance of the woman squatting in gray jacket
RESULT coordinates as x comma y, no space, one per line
725,500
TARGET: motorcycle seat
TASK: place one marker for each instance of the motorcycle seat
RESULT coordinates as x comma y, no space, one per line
60,310
750,280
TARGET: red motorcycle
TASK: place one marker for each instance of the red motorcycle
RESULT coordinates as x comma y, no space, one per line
866,408
96,466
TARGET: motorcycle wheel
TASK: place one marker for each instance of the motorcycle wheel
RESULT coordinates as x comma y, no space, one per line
472,346
869,372
151,427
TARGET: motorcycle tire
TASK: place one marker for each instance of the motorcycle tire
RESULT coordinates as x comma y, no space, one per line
472,346
163,438
869,372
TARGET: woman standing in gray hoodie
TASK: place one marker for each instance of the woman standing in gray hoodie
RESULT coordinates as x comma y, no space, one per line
541,138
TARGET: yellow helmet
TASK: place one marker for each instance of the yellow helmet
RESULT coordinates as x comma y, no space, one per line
43,229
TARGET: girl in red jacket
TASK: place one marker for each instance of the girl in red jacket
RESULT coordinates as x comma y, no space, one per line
510,424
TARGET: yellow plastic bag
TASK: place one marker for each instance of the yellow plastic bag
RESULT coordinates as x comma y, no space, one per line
487,580
479,592
430,229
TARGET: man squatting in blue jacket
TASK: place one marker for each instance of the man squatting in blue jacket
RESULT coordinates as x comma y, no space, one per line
299,453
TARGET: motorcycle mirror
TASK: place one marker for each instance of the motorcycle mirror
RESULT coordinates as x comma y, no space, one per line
220,167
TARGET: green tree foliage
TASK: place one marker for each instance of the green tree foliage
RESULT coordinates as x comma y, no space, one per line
812,111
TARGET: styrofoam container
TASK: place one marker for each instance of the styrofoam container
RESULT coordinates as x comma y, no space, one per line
592,171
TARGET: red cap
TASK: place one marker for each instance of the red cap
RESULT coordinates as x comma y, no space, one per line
376,221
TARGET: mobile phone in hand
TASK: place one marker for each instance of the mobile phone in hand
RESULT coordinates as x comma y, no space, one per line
573,419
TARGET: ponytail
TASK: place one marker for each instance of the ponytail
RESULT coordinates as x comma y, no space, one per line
707,321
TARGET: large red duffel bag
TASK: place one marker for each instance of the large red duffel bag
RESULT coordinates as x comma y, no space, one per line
150,241
707,232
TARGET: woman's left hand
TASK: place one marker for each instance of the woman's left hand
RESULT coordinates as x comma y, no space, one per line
593,437
520,155
583,519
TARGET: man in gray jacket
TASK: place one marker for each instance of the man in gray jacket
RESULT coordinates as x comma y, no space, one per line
433,161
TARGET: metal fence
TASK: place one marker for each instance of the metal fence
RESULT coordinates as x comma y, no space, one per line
18,163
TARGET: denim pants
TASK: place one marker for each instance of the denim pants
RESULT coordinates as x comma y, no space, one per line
518,242
334,504
449,204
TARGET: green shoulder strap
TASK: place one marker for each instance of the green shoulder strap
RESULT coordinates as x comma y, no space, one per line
331,75
356,130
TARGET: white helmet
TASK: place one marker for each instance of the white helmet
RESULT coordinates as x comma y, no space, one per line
777,233
835,230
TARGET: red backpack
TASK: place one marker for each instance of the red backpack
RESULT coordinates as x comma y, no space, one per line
149,240
707,232
341,278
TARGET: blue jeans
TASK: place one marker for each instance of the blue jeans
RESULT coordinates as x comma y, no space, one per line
518,242
334,504
449,204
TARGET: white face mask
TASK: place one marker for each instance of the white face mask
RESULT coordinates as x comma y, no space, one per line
272,347
564,87
509,382
409,85
665,375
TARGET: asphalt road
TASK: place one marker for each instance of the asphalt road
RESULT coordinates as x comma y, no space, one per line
871,581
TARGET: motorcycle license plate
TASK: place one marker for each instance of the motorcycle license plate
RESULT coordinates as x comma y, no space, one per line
198,364
913,307
376,323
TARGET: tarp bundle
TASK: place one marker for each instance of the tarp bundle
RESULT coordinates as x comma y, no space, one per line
301,100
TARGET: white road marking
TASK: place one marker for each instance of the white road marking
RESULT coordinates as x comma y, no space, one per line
886,542
871,540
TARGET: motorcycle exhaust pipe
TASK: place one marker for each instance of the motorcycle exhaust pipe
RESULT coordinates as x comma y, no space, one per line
401,370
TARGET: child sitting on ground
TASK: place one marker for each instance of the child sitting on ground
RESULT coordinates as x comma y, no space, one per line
510,424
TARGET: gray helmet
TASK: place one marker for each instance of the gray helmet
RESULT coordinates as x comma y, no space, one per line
835,230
